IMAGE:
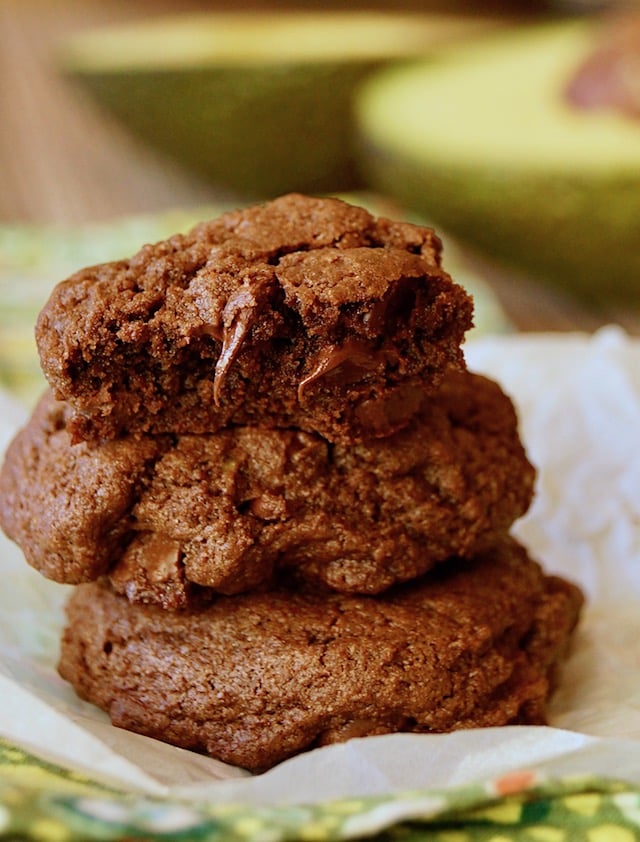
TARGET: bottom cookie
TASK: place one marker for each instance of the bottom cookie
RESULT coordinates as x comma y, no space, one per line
255,678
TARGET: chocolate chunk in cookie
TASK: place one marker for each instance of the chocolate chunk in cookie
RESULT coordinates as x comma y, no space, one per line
301,312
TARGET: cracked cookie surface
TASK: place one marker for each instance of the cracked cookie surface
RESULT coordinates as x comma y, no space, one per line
172,519
300,312
255,678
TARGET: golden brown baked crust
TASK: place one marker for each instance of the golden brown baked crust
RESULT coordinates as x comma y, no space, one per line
256,678
170,518
301,312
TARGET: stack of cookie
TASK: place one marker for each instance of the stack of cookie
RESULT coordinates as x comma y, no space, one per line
283,499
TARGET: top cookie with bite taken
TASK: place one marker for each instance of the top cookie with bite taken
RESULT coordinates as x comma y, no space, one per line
300,312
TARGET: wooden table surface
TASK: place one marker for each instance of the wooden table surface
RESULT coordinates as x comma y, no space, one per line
63,160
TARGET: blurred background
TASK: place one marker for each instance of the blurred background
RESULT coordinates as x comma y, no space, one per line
87,174
63,158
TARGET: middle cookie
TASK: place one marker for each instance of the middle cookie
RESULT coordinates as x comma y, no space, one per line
173,519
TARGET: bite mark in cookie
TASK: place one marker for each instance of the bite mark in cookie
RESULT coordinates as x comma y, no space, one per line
300,312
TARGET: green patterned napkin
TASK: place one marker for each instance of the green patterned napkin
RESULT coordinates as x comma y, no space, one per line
44,803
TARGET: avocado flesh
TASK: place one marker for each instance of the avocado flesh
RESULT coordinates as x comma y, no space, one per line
484,144
259,104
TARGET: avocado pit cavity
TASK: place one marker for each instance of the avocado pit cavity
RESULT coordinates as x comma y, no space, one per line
609,78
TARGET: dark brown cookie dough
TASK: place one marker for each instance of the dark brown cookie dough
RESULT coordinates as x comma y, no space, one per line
256,678
301,312
171,518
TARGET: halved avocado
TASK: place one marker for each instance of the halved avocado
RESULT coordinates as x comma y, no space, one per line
485,143
259,103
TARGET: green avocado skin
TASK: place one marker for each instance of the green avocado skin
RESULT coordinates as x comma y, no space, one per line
580,234
256,131
548,190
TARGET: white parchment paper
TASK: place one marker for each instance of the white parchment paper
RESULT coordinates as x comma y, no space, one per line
578,399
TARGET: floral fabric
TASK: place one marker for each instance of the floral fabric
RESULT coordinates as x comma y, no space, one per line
44,803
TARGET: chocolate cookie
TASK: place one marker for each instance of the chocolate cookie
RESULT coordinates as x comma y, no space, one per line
172,518
301,312
256,678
